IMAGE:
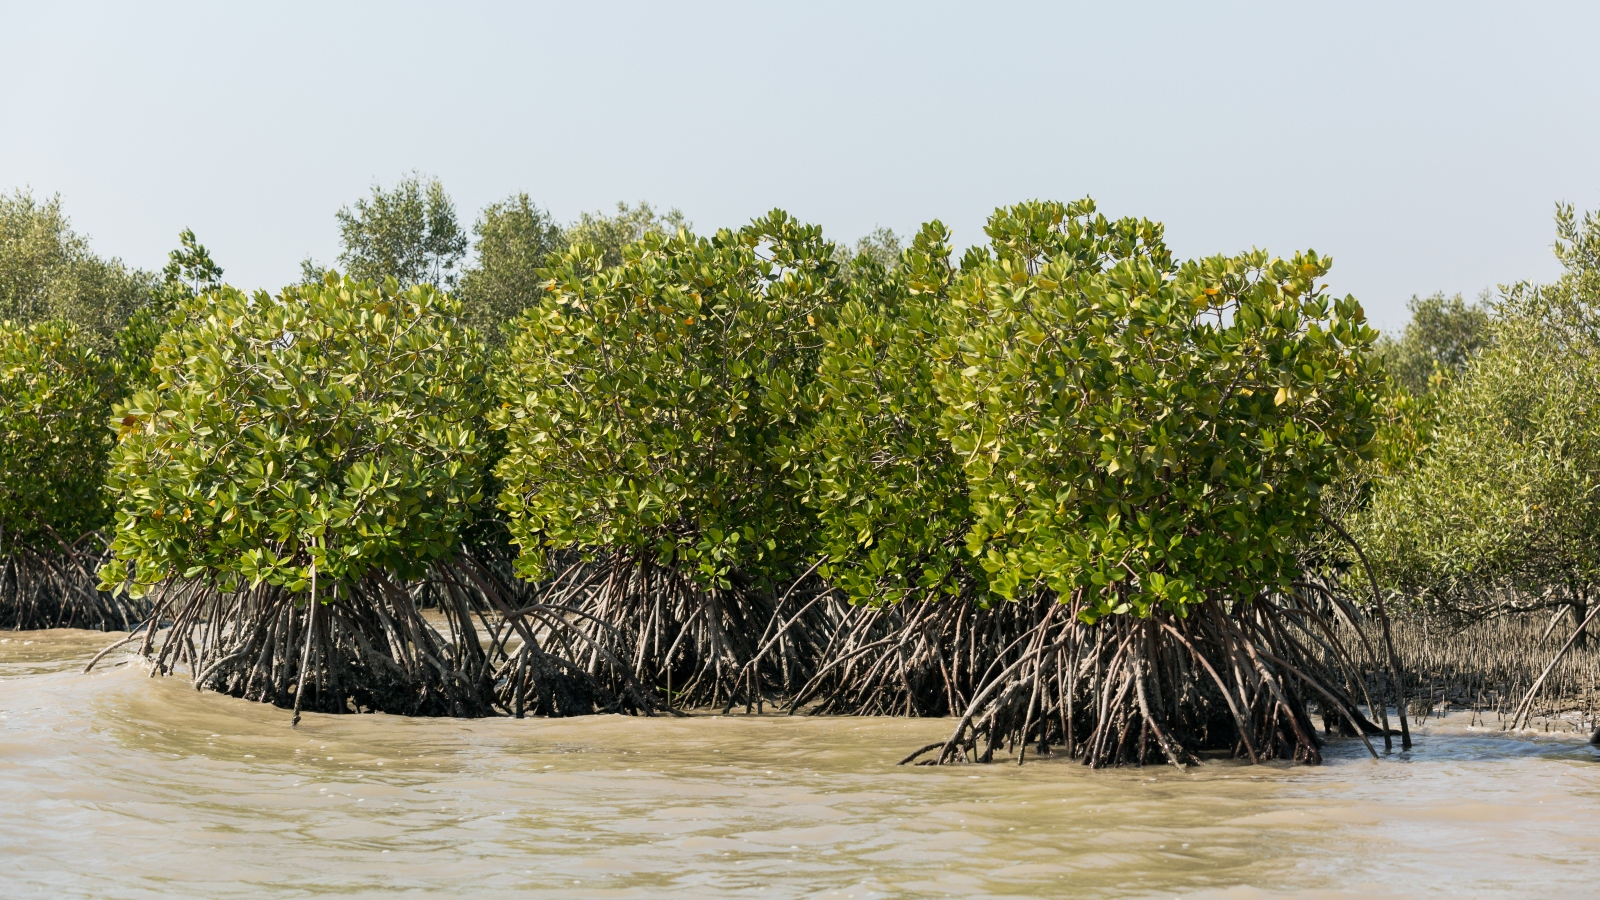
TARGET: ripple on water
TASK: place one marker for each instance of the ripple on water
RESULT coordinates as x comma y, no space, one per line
116,784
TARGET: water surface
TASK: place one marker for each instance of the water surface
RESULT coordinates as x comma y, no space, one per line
115,784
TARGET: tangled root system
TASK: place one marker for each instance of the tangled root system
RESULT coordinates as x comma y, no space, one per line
58,590
1238,680
649,635
355,648
1230,678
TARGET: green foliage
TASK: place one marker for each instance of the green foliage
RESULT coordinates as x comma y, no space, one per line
1149,434
409,234
1438,342
644,401
330,427
881,245
48,273
312,273
611,234
1505,493
889,492
1405,424
516,239
55,395
189,272
1578,248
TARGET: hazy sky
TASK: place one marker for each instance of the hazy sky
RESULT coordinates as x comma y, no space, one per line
1423,146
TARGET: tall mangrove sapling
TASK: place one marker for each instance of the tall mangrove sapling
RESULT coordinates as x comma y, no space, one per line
55,399
643,403
1146,442
303,458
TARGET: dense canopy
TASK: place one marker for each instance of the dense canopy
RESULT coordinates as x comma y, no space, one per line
55,397
330,428
1500,506
643,401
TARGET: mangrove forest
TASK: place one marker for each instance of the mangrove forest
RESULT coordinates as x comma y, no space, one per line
1072,493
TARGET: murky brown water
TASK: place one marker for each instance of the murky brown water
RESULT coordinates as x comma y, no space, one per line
117,785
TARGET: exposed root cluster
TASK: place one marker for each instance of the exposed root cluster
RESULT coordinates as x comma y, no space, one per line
646,631
918,658
1238,680
547,661
357,648
1241,678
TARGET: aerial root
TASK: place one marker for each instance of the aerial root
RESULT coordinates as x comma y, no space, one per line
361,647
624,635
58,589
1164,689
655,641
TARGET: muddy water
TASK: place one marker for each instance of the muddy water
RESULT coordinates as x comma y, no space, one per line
118,785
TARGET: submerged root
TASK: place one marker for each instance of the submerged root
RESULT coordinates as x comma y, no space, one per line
1165,689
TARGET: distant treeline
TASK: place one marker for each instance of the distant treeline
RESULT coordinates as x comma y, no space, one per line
1490,505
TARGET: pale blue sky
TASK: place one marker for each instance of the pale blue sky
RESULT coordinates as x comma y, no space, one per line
1422,145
